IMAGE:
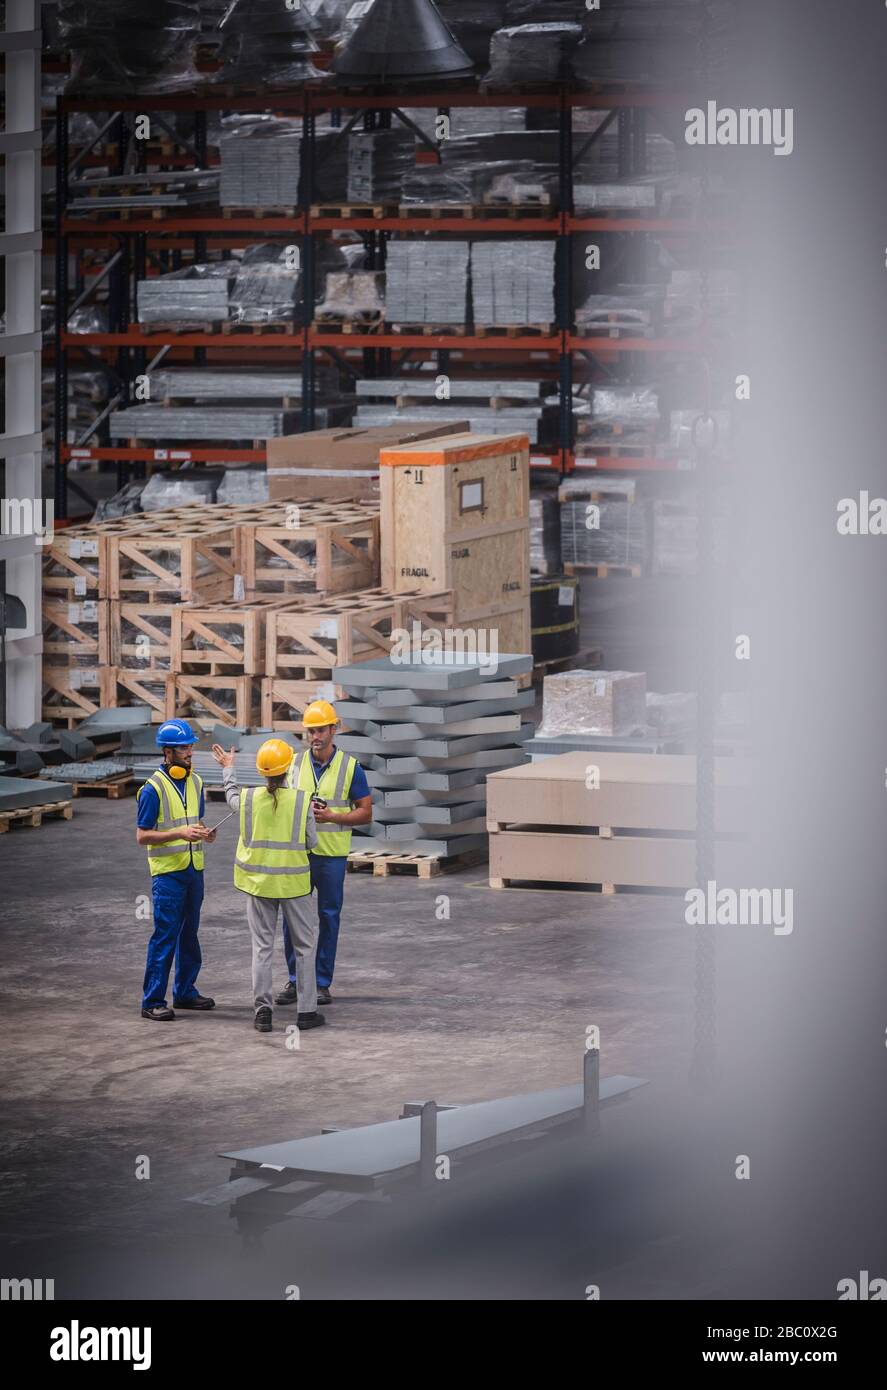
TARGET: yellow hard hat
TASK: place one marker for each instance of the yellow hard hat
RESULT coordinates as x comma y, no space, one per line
318,714
274,757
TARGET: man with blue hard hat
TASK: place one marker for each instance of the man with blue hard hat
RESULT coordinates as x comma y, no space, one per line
170,825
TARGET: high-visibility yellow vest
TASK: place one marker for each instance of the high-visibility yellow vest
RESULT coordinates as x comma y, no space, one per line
176,854
333,788
272,861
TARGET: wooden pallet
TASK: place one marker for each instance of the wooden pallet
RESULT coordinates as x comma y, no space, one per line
307,642
270,210
345,542
70,693
527,207
76,629
193,564
74,565
199,697
384,864
428,330
217,326
432,212
221,652
604,571
376,211
515,330
123,687
113,788
359,328
141,634
32,816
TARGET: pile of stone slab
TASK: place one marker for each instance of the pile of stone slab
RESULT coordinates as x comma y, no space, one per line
427,732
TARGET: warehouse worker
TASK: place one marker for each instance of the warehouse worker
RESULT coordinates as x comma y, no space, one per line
170,824
341,799
276,831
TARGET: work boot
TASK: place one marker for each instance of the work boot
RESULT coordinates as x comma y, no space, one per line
323,995
160,1013
263,1020
310,1021
288,995
196,1002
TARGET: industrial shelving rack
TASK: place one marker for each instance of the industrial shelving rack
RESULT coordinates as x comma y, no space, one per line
136,238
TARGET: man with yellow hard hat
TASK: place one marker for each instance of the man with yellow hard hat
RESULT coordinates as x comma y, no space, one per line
341,799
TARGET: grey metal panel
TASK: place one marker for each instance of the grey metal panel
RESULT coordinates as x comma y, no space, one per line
473,388
417,830
595,743
438,847
451,713
402,699
419,675
404,798
508,756
369,1153
400,733
427,747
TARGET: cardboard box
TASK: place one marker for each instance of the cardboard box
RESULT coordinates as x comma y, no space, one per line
336,464
636,861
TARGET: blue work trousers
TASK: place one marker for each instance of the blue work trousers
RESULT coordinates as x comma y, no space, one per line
177,901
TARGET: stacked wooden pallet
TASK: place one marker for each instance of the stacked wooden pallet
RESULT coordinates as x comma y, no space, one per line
611,819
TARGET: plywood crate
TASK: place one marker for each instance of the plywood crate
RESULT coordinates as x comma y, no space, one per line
308,642
76,629
324,550
123,687
141,635
194,564
231,700
610,818
222,640
455,517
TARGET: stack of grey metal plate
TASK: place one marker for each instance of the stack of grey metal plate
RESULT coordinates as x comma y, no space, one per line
428,732
261,163
220,383
191,422
170,300
164,189
513,282
486,405
427,282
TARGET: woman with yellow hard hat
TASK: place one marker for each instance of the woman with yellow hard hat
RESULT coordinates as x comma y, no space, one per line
277,829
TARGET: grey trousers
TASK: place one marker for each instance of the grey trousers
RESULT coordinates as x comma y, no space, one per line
301,921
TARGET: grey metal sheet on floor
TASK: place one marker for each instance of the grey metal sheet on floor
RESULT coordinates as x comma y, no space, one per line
402,699
421,675
18,793
365,1156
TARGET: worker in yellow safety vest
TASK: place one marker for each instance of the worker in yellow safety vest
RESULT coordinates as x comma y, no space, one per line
271,867
341,799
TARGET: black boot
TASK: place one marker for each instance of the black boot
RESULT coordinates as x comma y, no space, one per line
263,1020
288,995
310,1021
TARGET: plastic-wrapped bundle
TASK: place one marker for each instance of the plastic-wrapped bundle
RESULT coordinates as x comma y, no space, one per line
638,312
652,43
377,163
197,294
625,405
427,282
126,502
683,299
470,164
261,162
545,533
671,714
232,383
330,167
610,703
522,12
681,427
513,282
352,295
473,23
265,44
242,487
609,531
183,423
178,490
676,535
531,53
471,120
128,46
630,195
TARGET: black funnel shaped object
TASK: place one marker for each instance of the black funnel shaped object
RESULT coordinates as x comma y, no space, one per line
402,41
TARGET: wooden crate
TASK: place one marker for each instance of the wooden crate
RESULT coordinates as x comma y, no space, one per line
222,641
141,635
309,548
231,700
306,643
283,701
123,687
455,518
76,631
71,693
75,564
195,564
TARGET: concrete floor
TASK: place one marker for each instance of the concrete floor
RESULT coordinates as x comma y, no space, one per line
445,989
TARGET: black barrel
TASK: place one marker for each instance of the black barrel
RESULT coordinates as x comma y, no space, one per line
554,610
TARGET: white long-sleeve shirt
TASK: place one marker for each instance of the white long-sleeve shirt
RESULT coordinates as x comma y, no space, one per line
232,796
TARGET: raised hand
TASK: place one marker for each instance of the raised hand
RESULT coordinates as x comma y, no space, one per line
222,758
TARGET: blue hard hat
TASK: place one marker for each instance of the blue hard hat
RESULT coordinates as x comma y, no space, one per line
175,733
